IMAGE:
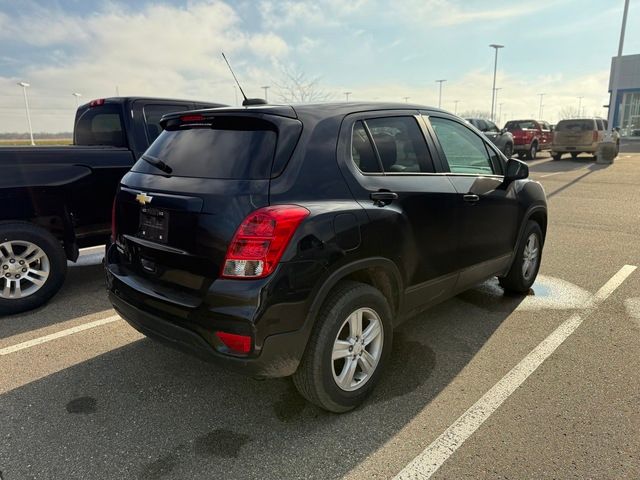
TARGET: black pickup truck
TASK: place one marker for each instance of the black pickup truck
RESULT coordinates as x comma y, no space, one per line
56,200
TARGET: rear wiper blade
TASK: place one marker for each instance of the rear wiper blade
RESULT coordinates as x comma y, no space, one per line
156,162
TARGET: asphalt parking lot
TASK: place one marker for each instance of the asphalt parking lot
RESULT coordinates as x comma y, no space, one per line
97,400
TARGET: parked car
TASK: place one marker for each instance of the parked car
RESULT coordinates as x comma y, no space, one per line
291,240
56,200
501,138
581,135
530,137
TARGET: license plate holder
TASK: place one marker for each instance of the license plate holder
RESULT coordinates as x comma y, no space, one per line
154,224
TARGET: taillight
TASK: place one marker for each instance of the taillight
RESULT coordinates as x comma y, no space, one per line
235,343
97,103
260,241
114,226
192,118
595,136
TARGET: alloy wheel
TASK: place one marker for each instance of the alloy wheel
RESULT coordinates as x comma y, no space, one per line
530,256
24,269
357,349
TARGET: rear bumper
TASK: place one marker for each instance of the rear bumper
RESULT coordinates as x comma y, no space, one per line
188,322
589,148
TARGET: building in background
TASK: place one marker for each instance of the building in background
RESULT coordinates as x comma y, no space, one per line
624,88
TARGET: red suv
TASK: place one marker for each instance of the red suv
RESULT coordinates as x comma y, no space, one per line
530,137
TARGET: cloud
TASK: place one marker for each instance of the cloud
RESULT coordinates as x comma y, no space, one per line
314,13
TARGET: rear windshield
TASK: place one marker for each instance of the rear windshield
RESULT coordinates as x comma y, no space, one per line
575,126
227,149
520,125
100,125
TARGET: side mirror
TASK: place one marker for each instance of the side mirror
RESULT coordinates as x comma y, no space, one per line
516,170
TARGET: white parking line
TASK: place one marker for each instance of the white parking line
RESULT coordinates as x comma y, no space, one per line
432,458
60,334
565,171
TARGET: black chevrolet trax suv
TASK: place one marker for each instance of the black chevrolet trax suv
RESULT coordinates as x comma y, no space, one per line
291,240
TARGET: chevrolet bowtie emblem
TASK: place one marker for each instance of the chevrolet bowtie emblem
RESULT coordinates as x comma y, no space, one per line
142,198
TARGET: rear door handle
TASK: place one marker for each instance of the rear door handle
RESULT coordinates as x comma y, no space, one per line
383,197
471,198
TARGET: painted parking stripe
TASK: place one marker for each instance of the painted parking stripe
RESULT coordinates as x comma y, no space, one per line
60,334
432,458
565,171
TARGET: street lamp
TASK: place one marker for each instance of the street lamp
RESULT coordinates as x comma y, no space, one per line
406,99
24,86
541,95
495,70
440,94
77,95
265,88
497,89
346,95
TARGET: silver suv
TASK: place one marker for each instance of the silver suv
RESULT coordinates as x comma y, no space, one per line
500,138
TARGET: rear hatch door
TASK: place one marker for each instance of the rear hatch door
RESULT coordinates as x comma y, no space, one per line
179,207
574,132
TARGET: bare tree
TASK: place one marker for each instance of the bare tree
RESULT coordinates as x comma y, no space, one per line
295,86
568,112
476,114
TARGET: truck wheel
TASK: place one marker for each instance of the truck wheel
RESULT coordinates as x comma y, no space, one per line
557,156
525,266
574,155
533,151
33,266
508,150
348,348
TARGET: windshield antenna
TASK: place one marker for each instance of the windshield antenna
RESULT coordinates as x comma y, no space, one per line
247,101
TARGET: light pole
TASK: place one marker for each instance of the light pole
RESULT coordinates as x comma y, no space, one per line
406,99
77,95
579,105
265,88
495,71
346,96
541,95
455,107
440,91
496,90
24,86
500,112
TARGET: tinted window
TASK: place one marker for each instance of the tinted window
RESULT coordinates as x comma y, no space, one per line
230,149
399,146
575,126
153,114
100,126
600,124
520,125
491,127
464,150
362,151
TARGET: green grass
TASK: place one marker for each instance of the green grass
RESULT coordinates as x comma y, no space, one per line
46,141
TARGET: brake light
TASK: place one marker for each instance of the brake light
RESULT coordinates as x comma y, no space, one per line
114,226
97,103
260,241
192,118
234,342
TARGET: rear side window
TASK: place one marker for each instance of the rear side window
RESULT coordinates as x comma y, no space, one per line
464,150
398,146
600,124
240,148
100,125
575,126
152,115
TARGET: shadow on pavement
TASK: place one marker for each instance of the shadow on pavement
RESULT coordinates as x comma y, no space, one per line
83,293
146,411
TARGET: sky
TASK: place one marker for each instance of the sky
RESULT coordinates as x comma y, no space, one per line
378,50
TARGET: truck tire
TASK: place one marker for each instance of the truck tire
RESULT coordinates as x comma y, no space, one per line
533,151
557,156
33,267
525,266
348,349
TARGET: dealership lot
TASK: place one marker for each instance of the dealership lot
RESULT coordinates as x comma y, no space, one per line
82,395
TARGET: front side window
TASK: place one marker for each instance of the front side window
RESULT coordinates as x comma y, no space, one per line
398,146
465,151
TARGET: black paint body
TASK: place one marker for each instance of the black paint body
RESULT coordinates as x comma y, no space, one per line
419,249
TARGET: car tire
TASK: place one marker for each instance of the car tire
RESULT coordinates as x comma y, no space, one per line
557,156
524,268
533,152
332,373
574,155
33,267
508,150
